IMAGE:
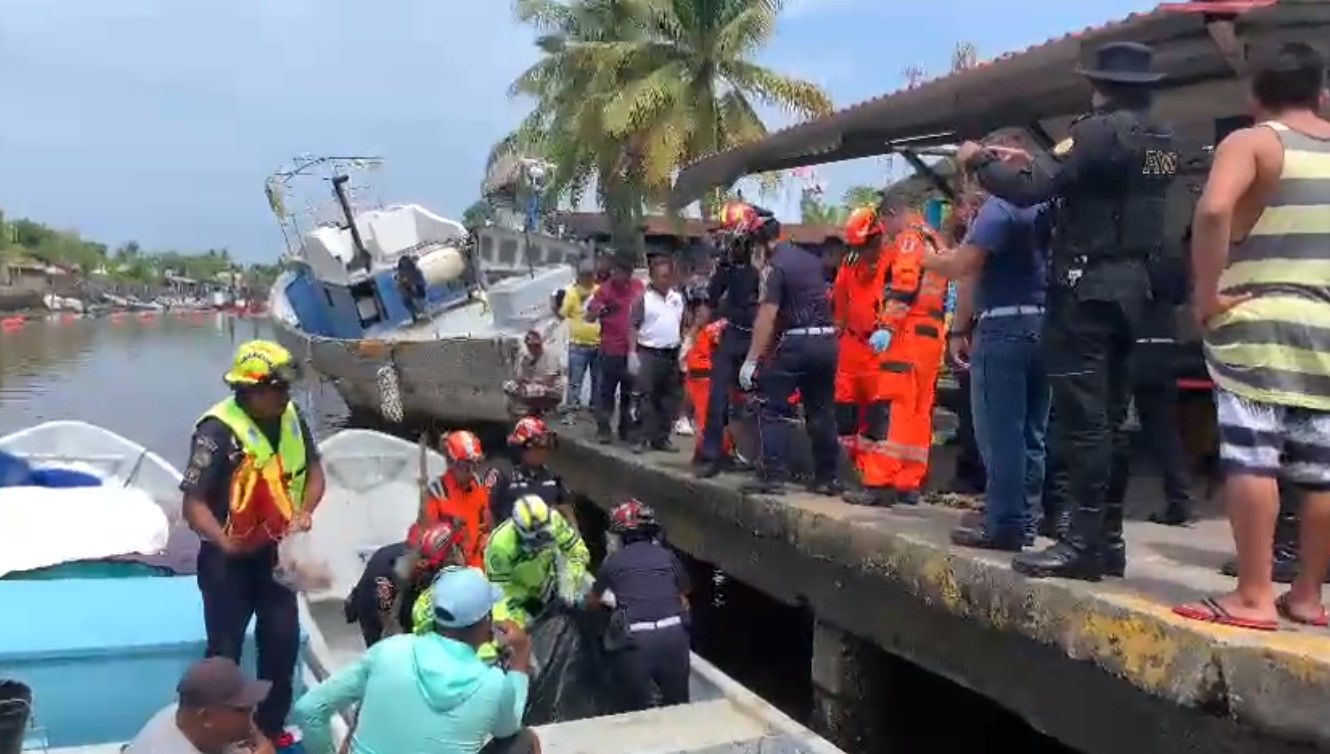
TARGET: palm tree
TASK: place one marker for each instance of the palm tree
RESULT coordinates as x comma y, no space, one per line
861,196
628,91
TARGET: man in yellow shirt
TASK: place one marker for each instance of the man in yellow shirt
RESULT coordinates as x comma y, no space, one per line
583,336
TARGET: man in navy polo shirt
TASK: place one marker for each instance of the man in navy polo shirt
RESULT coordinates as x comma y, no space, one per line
997,332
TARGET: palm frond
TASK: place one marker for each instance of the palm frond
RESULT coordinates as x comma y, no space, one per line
751,28
795,95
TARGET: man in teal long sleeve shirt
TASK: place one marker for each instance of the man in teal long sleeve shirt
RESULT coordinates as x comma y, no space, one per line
431,692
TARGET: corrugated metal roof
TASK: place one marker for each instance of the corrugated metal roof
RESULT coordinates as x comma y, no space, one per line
1019,87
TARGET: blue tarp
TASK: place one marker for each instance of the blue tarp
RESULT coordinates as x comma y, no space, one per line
14,471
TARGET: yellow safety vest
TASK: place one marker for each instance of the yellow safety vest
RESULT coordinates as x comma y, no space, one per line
283,472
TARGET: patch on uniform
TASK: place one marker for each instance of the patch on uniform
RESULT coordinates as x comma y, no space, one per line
384,593
1160,162
192,475
201,457
491,478
1063,147
762,277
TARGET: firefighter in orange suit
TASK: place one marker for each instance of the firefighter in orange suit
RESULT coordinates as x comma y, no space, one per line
697,372
461,495
915,313
861,399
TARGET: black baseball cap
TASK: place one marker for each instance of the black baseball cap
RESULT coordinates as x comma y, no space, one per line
219,682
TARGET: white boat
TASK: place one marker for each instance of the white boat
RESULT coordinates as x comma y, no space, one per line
440,352
137,633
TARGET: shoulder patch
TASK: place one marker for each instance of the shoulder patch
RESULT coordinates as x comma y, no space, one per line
1063,147
491,478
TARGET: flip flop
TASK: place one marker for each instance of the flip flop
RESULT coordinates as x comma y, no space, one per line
1320,621
1209,610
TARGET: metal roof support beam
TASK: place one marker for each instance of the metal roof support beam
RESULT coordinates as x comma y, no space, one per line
1225,36
927,171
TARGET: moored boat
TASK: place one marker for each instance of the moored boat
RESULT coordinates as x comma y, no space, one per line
393,306
134,631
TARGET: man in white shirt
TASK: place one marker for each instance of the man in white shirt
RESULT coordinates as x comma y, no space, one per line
657,320
214,714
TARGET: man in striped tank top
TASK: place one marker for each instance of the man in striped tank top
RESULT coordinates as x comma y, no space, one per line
1264,306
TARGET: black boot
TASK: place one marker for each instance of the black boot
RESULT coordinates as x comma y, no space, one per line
1114,546
1079,556
1055,525
827,487
879,497
1286,546
763,486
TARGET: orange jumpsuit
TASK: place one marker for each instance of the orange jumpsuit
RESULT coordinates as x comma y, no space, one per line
697,366
916,311
861,391
467,502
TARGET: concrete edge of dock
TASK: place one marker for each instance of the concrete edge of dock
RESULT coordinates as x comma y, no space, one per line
1269,684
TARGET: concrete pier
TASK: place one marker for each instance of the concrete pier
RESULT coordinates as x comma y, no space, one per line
1102,667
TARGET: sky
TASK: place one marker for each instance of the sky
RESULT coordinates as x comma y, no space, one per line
158,120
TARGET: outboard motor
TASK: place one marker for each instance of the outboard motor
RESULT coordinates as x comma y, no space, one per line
15,709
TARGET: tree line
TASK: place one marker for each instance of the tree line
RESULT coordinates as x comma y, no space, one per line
128,263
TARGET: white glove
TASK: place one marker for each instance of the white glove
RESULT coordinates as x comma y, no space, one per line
746,373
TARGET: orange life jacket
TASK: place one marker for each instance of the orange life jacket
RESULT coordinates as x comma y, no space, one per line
699,359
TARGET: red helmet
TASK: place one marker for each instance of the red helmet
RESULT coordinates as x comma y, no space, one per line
632,515
862,226
462,446
737,216
439,544
530,431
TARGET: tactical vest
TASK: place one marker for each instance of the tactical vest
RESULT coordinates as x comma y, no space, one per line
1118,212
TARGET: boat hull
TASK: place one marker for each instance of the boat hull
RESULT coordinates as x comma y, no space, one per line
456,380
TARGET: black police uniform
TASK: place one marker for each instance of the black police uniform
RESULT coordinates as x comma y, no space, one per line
237,589
732,296
1110,193
1154,388
376,592
649,584
804,359
508,487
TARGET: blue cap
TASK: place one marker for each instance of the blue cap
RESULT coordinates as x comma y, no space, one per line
463,597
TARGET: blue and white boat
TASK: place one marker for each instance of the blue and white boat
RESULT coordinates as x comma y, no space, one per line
102,642
397,306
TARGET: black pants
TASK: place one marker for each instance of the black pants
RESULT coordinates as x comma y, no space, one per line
1156,404
725,364
614,377
970,475
235,590
653,661
1057,495
808,363
658,390
1088,345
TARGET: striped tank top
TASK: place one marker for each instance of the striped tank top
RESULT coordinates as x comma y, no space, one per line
1275,347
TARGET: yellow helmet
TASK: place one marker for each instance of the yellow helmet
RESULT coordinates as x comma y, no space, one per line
534,522
260,362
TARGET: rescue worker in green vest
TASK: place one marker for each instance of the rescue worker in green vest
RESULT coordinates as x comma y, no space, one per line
253,477
536,557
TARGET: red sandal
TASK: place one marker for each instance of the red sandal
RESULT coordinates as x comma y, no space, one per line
1209,610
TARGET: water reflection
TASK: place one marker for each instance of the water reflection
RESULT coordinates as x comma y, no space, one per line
147,378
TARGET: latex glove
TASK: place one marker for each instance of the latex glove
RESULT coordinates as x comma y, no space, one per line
880,340
746,373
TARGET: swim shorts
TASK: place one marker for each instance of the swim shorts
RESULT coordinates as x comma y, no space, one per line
1267,439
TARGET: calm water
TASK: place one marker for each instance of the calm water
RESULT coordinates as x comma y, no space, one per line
146,379
150,379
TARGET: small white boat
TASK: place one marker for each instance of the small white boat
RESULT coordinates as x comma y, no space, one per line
137,633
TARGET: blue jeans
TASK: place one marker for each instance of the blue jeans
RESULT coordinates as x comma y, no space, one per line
583,359
1010,396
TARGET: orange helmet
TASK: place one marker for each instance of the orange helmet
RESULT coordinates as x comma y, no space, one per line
530,431
439,544
862,225
737,216
462,446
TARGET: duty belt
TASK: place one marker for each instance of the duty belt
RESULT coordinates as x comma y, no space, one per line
699,373
653,625
1011,311
828,330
